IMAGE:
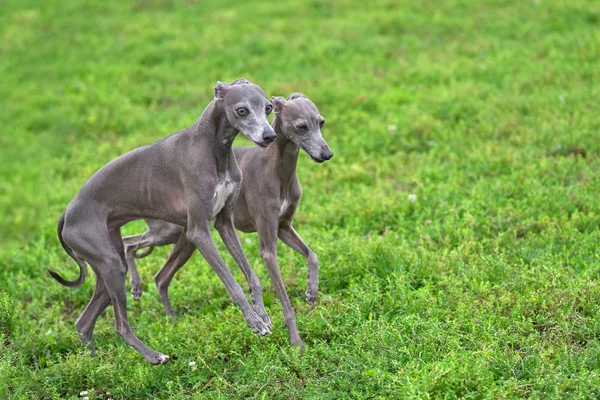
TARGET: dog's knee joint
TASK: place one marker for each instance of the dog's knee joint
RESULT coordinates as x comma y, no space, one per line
198,236
123,331
220,224
268,256
290,318
312,258
161,286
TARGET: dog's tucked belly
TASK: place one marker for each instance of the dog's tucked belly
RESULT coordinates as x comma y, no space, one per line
222,192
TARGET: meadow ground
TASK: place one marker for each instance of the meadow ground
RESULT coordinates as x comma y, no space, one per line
484,286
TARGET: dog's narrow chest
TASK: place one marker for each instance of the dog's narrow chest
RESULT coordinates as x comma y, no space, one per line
284,207
223,190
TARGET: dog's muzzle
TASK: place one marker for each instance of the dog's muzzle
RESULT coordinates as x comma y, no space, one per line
268,135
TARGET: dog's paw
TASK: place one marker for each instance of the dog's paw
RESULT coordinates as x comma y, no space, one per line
257,324
93,353
311,296
158,359
262,313
164,358
299,344
136,291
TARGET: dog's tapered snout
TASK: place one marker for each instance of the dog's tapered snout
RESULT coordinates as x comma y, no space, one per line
326,154
268,135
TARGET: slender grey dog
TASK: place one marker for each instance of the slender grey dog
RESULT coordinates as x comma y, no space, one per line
188,178
269,196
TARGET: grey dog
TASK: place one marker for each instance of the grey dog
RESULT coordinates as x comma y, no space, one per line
269,196
188,178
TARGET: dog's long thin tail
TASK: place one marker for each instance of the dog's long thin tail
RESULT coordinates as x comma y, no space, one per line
82,267
143,252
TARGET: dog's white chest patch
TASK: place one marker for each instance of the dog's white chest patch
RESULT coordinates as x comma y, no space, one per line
283,208
222,192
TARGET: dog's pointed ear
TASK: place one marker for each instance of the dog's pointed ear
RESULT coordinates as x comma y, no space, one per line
278,103
296,95
221,89
240,81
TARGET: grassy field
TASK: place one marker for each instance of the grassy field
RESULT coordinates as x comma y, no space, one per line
457,225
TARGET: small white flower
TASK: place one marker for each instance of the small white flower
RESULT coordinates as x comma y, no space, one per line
412,197
431,143
83,393
192,363
391,128
86,398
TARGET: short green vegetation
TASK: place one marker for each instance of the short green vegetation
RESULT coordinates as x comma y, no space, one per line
457,225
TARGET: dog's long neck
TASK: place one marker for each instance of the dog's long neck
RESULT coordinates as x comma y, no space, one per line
282,155
214,130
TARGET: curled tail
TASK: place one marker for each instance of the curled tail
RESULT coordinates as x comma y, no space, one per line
82,267
133,244
143,253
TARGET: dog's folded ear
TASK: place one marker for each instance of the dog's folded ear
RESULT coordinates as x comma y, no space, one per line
278,103
221,89
240,81
296,95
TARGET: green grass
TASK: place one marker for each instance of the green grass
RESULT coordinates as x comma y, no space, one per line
485,287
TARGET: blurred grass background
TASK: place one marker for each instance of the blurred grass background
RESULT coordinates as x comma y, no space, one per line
487,111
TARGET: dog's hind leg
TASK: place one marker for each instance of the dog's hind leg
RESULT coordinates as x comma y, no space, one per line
80,238
104,252
113,272
159,233
182,251
132,243
87,320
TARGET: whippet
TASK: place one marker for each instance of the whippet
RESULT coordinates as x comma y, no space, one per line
269,196
188,178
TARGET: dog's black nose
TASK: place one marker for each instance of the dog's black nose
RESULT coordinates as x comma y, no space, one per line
269,136
326,155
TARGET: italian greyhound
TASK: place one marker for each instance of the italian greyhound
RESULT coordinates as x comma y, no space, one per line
188,178
269,196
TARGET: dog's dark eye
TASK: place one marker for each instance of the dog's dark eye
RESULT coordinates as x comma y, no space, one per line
268,109
302,127
242,111
322,123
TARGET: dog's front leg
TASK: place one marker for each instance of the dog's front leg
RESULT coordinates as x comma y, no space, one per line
225,227
267,235
199,234
289,236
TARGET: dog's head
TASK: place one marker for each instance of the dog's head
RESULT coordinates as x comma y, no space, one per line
300,121
247,108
